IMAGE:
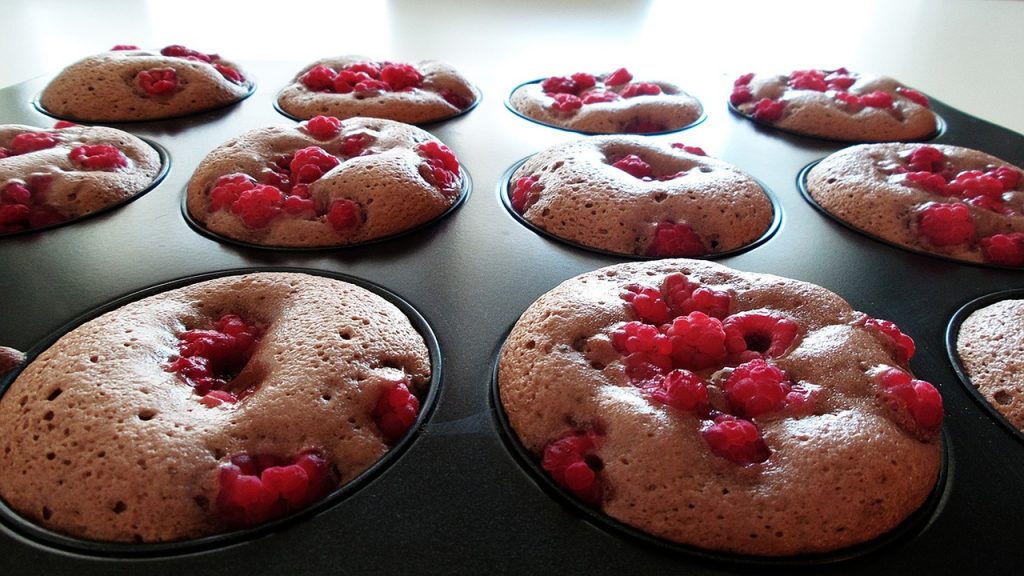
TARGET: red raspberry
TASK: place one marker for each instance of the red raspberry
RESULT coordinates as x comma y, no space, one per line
226,189
634,337
599,96
215,398
768,110
991,204
945,224
682,390
27,142
914,96
347,80
157,81
972,183
1004,249
209,359
441,168
256,489
755,388
323,127
14,217
698,341
61,124
752,335
930,181
737,440
99,157
457,100
1007,176
926,159
684,297
345,215
258,206
740,94
118,47
319,78
641,89
400,76
744,79
808,80
559,85
676,239
917,397
526,193
370,69
179,51
647,303
584,81
396,411
695,150
877,99
16,193
840,79
232,74
370,87
434,150
904,344
566,102
572,463
620,76
299,205
355,144
311,163
634,166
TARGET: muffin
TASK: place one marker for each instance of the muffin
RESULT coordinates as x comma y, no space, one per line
633,196
712,407
606,104
210,407
946,200
127,83
325,182
52,176
350,86
990,347
835,104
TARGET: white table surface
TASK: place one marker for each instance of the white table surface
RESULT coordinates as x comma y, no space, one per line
966,53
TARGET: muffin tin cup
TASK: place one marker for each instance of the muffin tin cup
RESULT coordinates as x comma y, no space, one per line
953,332
478,96
466,189
801,183
504,189
912,526
165,165
18,524
508,104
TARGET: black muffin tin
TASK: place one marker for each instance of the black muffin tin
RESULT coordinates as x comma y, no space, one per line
459,499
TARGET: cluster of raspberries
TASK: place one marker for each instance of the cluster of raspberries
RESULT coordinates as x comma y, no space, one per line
367,79
164,81
569,93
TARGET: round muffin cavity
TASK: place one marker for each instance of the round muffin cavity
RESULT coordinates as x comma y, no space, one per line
730,411
634,196
611,103
946,200
835,104
207,408
325,182
127,83
350,86
52,176
990,347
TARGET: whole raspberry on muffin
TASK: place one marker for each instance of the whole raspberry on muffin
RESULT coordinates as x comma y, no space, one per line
128,83
609,103
52,176
350,86
835,104
709,406
208,408
940,199
325,182
990,348
634,196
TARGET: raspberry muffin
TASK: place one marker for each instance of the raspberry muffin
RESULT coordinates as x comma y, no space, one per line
610,103
350,86
709,407
52,176
990,348
325,182
212,407
835,104
630,195
946,200
127,83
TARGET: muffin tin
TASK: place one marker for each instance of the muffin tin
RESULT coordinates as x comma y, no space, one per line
459,499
